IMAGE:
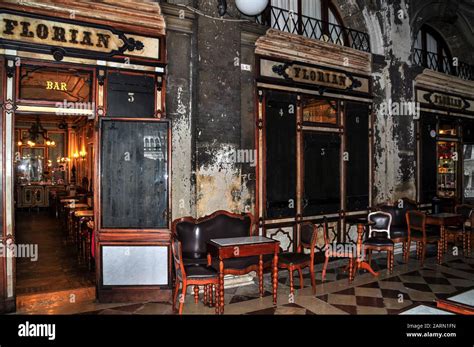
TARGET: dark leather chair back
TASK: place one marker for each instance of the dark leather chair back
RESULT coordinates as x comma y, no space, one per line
382,222
307,234
464,210
194,233
399,213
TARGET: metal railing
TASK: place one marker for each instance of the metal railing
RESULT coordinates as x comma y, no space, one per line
313,28
435,62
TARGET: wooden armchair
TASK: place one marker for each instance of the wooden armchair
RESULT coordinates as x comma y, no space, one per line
192,275
299,260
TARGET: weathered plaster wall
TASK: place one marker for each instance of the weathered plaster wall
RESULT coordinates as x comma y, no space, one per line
388,25
180,108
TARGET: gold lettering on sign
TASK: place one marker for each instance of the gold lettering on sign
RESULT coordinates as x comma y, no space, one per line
53,85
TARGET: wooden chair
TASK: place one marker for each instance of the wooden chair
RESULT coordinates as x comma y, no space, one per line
464,228
418,232
347,253
398,227
192,275
299,260
379,237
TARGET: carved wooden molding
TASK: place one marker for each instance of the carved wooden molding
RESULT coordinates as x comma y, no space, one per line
442,82
125,16
291,47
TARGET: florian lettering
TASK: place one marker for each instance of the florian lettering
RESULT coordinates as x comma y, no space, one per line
318,76
52,85
58,33
447,101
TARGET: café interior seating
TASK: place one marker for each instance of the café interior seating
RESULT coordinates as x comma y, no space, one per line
297,261
422,234
398,231
192,275
378,238
195,233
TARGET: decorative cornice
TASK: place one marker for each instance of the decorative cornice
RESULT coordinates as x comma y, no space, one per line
291,47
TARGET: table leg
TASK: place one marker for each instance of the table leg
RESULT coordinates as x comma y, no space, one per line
275,277
444,238
221,285
260,275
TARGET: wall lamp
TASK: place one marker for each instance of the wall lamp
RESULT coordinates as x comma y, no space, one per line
247,7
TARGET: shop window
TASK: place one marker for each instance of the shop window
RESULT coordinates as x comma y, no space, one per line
319,111
447,128
134,174
468,177
321,173
357,152
280,155
447,163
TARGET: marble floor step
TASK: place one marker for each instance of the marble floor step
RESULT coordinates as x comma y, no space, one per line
41,303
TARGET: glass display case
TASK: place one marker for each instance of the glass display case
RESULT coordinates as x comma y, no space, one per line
447,169
468,177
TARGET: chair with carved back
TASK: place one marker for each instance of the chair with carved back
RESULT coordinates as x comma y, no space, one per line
297,261
191,275
419,232
379,237
195,233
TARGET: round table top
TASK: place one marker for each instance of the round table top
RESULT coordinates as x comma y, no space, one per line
84,213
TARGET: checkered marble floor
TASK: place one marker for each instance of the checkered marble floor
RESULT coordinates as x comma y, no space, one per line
409,285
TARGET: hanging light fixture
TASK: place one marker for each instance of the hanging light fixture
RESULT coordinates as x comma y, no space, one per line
36,130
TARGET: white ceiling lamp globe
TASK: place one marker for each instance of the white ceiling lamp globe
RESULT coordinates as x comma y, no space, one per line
251,7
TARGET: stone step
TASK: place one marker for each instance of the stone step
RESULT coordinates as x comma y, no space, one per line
42,302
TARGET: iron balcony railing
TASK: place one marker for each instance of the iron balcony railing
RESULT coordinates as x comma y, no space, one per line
296,23
444,64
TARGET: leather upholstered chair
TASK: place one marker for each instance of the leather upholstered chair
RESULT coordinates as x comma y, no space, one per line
195,233
378,238
419,232
299,260
196,275
398,227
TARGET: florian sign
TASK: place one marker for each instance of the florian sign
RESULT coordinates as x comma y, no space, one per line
23,29
320,77
445,101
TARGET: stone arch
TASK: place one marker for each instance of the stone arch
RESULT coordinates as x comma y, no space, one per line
452,19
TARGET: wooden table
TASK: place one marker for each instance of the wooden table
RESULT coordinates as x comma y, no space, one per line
462,303
362,223
443,220
237,247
